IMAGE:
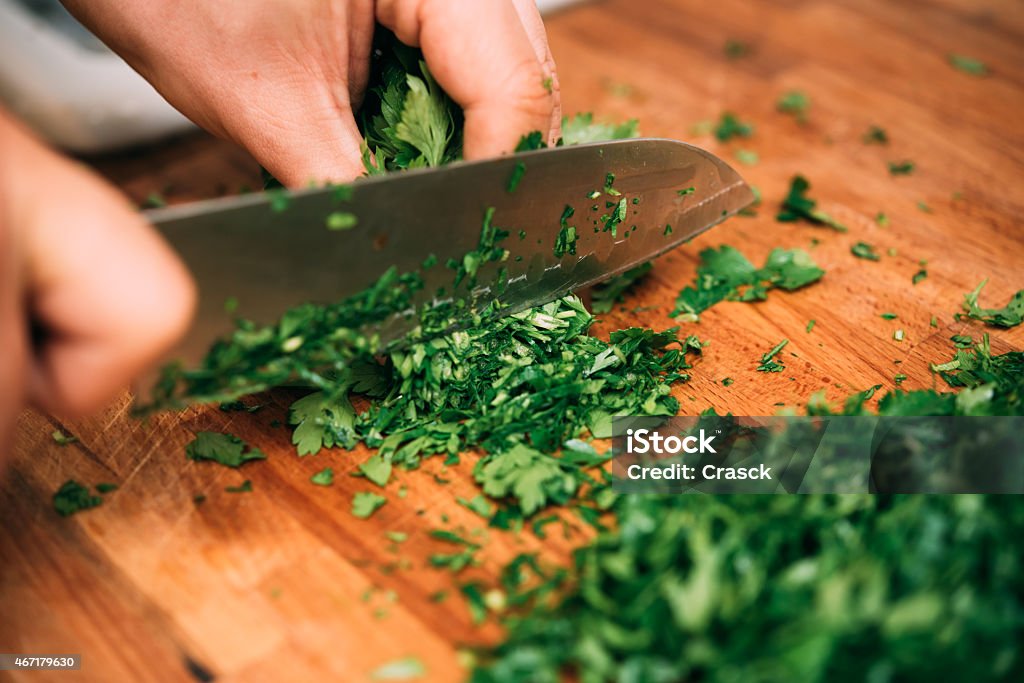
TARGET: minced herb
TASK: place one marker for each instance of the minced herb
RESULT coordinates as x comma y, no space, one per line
365,503
797,205
1010,315
225,449
324,477
768,361
73,497
62,439
244,487
865,251
796,103
729,127
968,65
726,273
875,135
901,167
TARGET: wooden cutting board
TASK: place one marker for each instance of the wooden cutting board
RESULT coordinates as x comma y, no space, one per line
284,584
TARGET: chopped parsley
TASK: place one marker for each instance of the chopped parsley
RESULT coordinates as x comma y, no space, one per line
686,191
795,103
244,487
768,360
905,167
341,220
797,205
747,157
888,316
73,497
729,127
1010,315
865,251
726,273
365,503
517,177
918,276
969,65
810,326
324,477
62,439
875,135
225,449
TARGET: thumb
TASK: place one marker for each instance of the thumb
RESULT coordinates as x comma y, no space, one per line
482,56
107,294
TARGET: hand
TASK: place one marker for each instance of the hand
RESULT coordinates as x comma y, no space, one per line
106,296
282,77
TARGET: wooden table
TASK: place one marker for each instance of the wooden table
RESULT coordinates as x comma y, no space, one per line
284,584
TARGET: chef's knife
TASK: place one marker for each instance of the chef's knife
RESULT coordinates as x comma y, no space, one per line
269,252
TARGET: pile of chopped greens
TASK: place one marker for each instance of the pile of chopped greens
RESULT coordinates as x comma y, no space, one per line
681,587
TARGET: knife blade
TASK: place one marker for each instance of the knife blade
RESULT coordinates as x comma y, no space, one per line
269,252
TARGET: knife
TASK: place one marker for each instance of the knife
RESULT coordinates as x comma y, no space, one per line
271,251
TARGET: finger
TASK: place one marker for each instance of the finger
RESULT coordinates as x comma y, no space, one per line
534,25
360,46
110,296
480,53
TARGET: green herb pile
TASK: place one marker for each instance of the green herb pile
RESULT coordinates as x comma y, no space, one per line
517,388
684,587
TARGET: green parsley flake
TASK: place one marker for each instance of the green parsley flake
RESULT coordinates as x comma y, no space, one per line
810,325
747,157
918,276
105,487
62,439
517,176
796,103
864,250
225,449
341,220
324,477
72,497
888,316
565,241
244,487
969,65
797,205
726,273
365,503
901,167
875,136
768,362
686,191
882,220
1008,316
730,127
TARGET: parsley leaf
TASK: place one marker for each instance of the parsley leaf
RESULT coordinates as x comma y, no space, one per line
72,497
727,274
768,362
797,205
729,127
365,503
864,250
225,449
324,477
1010,315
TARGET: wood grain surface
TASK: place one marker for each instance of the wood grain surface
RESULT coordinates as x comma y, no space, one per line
284,584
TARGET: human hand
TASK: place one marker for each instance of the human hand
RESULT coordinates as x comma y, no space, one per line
282,77
82,273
